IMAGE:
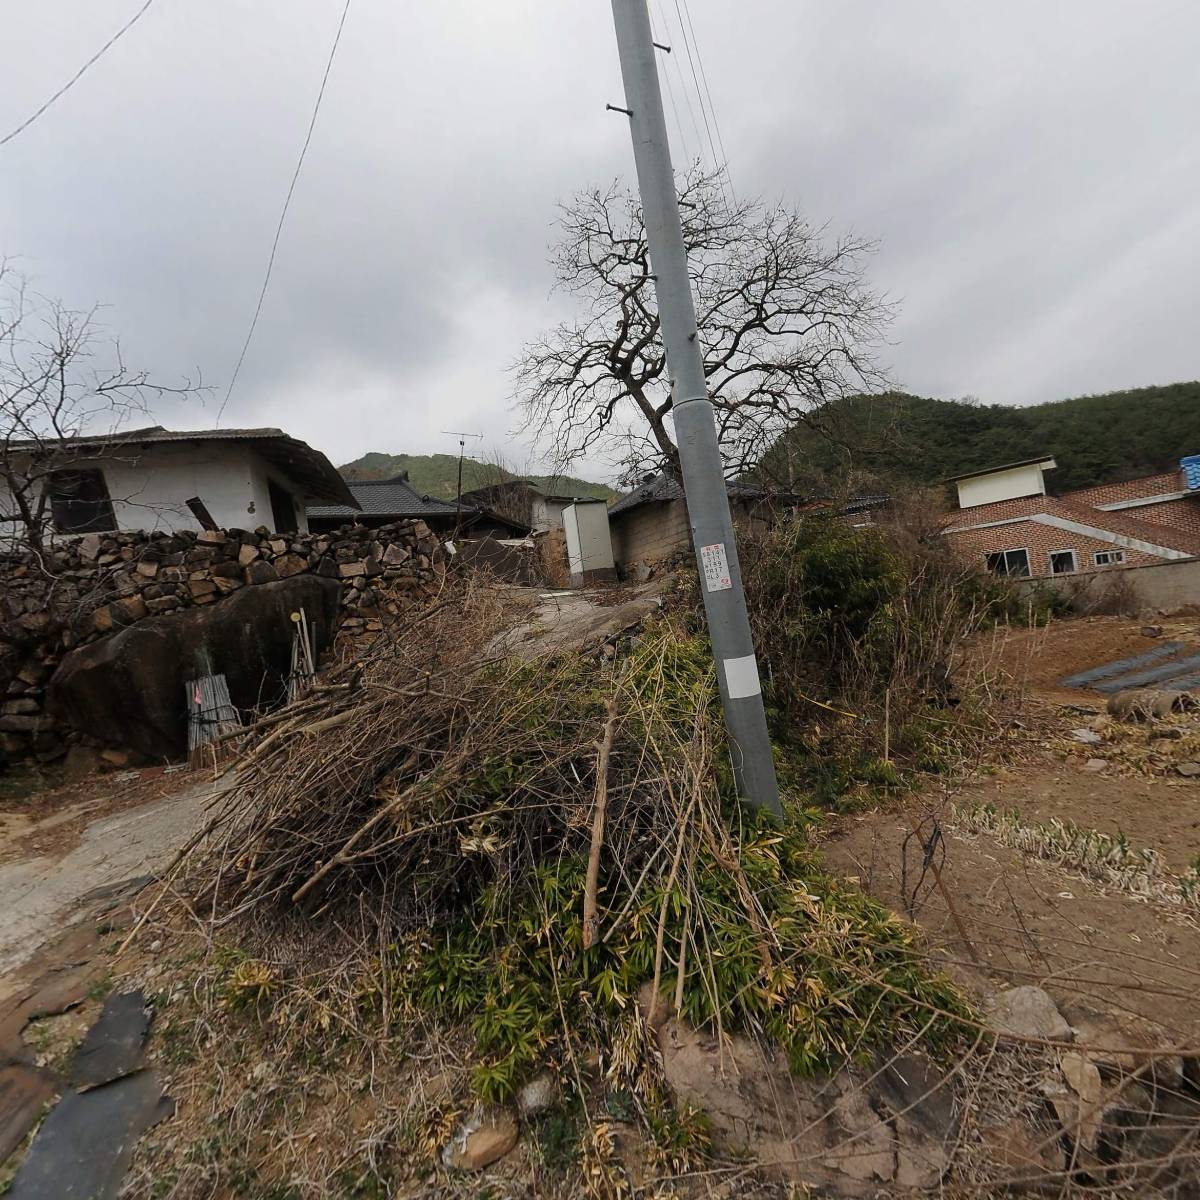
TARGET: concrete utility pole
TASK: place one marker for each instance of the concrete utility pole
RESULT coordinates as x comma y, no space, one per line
695,427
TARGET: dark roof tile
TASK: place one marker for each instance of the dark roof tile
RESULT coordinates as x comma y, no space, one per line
386,498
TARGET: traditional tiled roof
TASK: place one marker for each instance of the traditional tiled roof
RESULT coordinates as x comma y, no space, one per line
395,498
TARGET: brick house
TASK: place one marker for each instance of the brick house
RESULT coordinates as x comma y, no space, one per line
1006,518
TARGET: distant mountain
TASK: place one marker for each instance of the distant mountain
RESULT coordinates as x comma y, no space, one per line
437,475
897,438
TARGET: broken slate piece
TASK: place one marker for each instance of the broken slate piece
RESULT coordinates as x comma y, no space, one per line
24,1092
113,1045
84,1145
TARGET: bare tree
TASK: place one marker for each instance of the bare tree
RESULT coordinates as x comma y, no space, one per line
60,381
785,316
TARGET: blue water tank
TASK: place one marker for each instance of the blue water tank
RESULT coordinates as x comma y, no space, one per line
1191,472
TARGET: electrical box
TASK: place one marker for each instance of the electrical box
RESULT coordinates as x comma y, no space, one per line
589,546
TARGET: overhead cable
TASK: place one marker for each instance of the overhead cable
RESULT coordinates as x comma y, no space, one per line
262,295
66,87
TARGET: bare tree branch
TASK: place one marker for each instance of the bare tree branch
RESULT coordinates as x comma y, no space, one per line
53,394
787,322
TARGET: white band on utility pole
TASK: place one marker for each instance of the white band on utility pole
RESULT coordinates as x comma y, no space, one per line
741,677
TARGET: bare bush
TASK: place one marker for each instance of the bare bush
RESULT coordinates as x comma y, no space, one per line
59,381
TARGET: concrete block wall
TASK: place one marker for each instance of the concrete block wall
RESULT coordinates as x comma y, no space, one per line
1161,589
650,533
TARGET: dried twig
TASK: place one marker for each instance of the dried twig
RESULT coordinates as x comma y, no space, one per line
590,919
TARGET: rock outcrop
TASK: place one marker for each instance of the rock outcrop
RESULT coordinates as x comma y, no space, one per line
85,589
128,689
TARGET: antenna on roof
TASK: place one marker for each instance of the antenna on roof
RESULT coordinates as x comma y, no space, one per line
462,443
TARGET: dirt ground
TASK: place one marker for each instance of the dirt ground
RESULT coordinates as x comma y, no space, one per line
65,845
1024,920
999,916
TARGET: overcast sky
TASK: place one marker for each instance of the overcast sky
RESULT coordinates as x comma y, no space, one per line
1031,171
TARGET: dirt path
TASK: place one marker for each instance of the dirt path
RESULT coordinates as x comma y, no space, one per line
38,893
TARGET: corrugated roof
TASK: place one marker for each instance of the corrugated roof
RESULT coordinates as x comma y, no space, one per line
386,498
310,468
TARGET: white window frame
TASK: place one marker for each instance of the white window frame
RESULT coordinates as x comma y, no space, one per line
1011,550
1074,561
1112,558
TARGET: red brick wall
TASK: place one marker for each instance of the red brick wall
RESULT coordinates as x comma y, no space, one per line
974,545
1001,510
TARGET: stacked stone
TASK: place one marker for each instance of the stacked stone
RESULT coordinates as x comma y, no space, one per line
80,590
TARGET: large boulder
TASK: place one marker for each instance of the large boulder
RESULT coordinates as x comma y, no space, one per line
128,689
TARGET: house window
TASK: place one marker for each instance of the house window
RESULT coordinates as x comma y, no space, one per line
1009,562
1107,558
1063,562
79,502
283,510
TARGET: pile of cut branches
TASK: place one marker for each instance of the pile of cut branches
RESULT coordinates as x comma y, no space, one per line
535,840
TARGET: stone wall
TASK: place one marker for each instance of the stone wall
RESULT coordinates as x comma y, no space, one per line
81,590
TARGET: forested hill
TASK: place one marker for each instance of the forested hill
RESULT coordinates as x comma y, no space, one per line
1095,439
437,475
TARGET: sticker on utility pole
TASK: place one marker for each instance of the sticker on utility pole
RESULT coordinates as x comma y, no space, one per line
716,568
741,677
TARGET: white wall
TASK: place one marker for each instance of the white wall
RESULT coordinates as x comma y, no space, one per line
149,487
1002,485
261,472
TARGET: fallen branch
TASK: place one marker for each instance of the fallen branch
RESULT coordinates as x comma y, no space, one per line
590,918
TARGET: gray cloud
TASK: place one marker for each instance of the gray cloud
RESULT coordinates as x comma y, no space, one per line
1029,169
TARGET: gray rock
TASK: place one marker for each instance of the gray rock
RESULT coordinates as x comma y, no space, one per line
127,689
1028,1011
847,1134
1189,770
538,1095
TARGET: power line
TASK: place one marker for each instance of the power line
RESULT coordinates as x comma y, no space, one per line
683,89
66,87
696,81
711,107
663,34
262,295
